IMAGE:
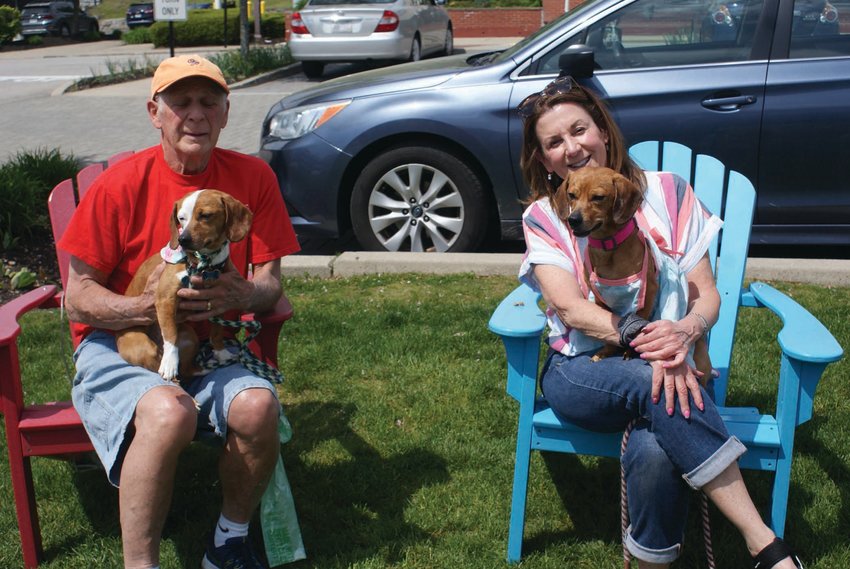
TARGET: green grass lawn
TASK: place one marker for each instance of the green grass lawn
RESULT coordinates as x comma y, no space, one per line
402,453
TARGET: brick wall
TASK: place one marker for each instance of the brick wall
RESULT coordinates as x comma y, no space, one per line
495,22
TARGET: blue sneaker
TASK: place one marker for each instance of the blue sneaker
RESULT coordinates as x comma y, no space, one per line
236,553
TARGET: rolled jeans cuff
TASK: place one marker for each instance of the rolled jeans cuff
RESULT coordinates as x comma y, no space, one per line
666,555
715,464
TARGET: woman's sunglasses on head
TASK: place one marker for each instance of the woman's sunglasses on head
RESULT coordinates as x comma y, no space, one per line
562,84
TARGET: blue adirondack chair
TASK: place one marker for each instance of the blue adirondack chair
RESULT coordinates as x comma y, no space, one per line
807,348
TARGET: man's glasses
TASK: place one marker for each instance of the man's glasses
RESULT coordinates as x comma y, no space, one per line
560,85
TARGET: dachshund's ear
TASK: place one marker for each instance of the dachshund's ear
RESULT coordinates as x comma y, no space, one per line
628,198
175,225
239,218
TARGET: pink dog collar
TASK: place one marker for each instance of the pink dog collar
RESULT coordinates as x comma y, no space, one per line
612,243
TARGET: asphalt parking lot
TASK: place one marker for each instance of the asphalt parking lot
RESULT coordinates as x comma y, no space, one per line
96,123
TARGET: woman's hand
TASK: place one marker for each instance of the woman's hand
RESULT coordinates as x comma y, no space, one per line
665,341
678,381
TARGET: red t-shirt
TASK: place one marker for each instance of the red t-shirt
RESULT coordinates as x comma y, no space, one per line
125,216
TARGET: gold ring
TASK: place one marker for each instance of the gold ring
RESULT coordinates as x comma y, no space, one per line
209,305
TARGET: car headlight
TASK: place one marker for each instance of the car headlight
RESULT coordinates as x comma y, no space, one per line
298,121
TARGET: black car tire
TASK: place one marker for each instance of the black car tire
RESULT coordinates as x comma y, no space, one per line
449,46
65,31
449,216
312,69
415,50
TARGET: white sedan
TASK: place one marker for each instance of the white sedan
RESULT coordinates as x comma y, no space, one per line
326,31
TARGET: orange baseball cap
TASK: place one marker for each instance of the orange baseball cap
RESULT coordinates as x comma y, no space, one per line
173,69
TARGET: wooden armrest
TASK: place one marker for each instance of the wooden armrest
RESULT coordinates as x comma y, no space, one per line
802,337
11,312
518,315
281,313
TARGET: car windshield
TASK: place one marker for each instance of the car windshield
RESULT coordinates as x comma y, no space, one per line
338,2
35,11
141,6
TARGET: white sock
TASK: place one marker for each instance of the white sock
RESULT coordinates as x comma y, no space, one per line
226,529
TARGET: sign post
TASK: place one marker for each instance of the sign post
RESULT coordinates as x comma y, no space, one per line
170,11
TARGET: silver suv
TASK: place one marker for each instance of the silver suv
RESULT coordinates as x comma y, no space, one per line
55,18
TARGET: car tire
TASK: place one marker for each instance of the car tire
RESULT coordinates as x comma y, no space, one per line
418,198
312,69
415,50
65,31
449,46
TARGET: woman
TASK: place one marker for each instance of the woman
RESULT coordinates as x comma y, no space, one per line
672,446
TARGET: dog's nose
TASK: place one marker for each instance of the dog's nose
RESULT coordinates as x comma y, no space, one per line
184,240
574,219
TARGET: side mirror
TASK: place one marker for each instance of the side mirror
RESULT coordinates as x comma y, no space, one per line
577,61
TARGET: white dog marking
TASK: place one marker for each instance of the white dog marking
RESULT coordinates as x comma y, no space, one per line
184,214
170,360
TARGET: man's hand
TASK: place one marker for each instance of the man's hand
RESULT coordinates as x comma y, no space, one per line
208,298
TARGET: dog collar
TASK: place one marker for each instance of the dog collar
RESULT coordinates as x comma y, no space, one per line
612,243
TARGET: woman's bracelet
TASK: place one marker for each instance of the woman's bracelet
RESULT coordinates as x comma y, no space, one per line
703,320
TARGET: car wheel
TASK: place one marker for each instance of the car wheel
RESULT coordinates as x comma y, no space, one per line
65,31
417,198
312,69
415,50
449,47
94,28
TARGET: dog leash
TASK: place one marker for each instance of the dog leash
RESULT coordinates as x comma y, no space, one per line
206,360
209,267
624,508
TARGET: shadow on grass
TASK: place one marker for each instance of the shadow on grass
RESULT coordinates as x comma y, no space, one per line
826,539
590,496
352,506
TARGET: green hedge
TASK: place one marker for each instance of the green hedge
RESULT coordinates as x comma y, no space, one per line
206,27
25,182
10,23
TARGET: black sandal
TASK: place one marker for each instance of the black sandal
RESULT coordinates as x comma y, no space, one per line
773,554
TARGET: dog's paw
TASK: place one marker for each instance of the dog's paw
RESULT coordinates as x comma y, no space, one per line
224,355
596,358
170,362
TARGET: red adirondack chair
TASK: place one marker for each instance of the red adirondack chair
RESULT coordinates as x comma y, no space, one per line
54,429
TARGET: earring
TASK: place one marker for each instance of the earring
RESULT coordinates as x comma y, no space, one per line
549,176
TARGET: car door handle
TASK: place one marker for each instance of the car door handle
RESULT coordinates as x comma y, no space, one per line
728,103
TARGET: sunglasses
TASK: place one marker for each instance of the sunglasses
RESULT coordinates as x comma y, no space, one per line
559,86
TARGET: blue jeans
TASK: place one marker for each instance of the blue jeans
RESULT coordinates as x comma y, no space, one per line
665,455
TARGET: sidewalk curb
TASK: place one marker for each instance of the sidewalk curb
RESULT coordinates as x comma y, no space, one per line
288,71
824,272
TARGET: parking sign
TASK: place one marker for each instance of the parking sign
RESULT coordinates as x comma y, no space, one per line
169,10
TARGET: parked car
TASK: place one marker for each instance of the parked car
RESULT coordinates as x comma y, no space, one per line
326,31
425,156
55,18
139,14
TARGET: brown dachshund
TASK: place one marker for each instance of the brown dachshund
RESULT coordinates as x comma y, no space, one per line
203,224
600,204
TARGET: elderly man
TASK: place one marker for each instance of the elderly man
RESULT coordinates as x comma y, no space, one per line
138,422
